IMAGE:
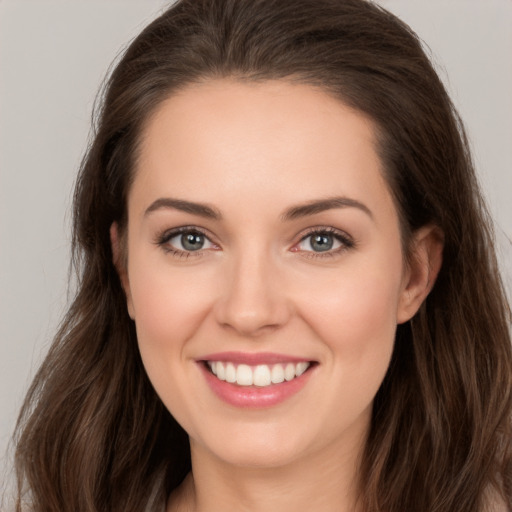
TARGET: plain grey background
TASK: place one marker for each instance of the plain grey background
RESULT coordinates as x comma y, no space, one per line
53,57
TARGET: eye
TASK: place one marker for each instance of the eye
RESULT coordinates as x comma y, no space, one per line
319,242
326,241
191,241
184,241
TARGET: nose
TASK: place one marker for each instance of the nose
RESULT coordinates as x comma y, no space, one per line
253,300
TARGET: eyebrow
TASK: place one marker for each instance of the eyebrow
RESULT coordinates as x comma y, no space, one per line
200,209
321,205
295,212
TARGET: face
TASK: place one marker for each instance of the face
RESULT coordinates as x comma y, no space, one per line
264,247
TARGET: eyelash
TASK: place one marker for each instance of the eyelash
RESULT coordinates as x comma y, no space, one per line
343,238
162,240
347,243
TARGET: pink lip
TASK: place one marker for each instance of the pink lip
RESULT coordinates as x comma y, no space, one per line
252,359
254,397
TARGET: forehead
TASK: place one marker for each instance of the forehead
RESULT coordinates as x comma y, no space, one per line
277,140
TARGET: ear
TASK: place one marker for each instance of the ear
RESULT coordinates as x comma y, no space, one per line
421,274
119,259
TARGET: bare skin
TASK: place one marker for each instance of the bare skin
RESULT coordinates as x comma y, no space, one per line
323,486
269,274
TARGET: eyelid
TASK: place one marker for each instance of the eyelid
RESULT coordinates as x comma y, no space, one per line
162,239
346,240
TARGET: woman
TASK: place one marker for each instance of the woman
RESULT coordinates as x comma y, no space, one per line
288,292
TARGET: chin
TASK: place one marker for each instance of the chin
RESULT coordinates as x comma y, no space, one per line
254,448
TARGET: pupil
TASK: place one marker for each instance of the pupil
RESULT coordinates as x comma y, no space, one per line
321,243
192,241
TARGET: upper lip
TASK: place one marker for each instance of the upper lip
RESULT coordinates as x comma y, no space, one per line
253,358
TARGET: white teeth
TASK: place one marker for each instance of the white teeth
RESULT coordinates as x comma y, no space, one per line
244,375
230,372
261,375
277,374
221,371
289,371
301,368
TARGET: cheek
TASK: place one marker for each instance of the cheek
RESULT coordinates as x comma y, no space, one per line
169,309
356,301
355,315
167,305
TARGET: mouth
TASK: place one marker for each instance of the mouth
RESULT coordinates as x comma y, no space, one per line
260,375
255,380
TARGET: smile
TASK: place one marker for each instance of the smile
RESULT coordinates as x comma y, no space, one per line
255,380
262,375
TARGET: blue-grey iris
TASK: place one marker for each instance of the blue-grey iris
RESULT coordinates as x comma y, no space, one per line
192,241
321,242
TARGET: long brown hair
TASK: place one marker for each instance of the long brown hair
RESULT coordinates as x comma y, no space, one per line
94,436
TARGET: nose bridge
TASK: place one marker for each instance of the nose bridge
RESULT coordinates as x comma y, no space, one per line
252,300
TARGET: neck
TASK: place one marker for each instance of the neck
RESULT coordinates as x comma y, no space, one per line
326,481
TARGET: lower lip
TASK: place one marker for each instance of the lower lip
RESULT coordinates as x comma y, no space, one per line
254,397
